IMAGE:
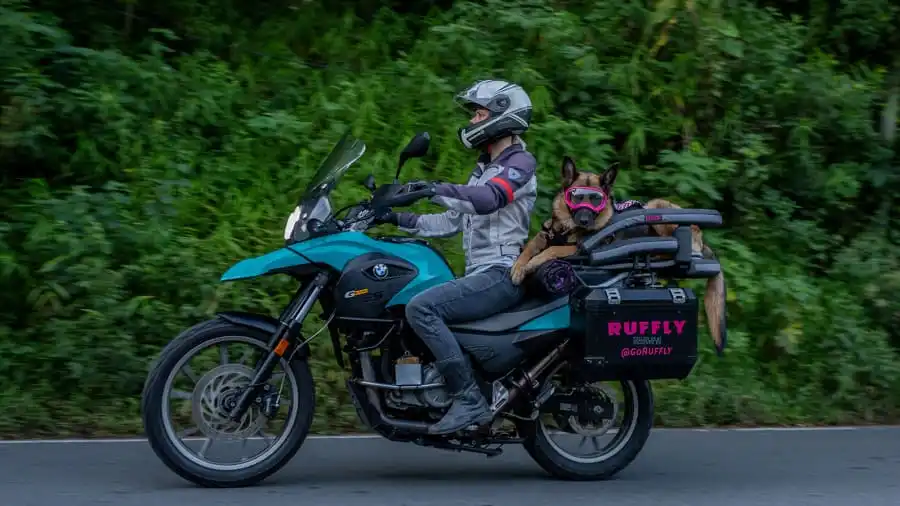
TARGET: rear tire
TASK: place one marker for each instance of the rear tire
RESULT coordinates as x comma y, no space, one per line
560,466
153,413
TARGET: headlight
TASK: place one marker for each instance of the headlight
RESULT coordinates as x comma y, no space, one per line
291,223
321,210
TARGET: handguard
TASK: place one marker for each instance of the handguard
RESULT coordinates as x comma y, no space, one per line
401,195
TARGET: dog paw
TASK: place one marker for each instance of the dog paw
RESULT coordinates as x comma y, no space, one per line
534,264
517,273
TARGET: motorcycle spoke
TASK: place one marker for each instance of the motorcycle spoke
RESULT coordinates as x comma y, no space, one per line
186,369
190,431
180,394
262,434
244,458
594,442
223,353
205,448
245,356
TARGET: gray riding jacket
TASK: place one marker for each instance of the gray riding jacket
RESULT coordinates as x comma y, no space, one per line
492,210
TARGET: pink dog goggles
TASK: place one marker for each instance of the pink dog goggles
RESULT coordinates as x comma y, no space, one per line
586,197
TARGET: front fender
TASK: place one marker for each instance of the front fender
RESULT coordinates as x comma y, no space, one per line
264,323
332,250
280,260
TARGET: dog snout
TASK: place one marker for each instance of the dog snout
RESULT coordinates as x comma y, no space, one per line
584,218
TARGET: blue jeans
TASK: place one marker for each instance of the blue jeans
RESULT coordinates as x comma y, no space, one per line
469,298
472,297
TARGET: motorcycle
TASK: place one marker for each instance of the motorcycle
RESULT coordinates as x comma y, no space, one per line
540,358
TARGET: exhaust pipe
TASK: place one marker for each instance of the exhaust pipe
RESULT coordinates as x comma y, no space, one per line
529,379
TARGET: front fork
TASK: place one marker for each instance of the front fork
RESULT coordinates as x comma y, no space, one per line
291,323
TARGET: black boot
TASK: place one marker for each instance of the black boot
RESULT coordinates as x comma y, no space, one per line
469,405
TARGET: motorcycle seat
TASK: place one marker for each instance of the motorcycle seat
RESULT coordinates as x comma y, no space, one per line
527,310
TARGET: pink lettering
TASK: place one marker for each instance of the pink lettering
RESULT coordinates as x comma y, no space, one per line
645,351
646,328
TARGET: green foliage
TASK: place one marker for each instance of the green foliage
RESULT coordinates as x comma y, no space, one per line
145,148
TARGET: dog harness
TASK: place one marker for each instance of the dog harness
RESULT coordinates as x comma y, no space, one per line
555,237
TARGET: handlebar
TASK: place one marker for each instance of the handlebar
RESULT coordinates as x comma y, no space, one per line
398,195
360,216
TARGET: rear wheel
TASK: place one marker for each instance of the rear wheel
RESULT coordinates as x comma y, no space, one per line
597,411
205,397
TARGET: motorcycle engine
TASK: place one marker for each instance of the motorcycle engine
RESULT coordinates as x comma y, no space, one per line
430,398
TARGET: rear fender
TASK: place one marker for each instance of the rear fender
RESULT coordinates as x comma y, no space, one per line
264,323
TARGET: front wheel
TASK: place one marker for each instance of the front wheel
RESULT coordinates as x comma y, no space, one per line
213,349
597,411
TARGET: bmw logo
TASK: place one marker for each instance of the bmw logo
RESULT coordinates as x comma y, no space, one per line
380,271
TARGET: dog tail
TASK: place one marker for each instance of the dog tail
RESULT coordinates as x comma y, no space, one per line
714,302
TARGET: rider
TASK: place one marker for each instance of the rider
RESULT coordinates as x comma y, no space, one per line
492,210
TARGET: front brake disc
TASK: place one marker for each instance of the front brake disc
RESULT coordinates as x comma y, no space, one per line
209,403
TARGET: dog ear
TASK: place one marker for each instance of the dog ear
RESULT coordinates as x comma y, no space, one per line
608,178
568,171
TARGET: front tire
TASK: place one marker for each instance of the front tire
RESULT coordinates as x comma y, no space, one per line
155,400
639,409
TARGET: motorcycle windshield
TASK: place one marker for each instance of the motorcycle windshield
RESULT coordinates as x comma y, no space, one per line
347,151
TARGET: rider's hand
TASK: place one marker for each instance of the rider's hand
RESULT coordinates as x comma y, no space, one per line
419,186
385,216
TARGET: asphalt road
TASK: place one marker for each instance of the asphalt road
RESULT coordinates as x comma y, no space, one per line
696,468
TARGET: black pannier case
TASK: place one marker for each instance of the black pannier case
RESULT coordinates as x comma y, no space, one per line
636,333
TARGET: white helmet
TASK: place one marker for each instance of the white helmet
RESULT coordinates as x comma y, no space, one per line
510,112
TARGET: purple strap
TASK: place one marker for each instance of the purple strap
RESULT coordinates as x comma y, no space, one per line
556,277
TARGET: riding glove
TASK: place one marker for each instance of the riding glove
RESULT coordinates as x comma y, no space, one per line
417,186
385,216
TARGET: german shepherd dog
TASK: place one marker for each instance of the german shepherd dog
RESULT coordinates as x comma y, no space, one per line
581,208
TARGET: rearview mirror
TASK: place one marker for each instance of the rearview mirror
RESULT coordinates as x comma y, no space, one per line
417,148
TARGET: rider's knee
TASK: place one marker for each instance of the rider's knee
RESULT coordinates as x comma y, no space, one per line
418,309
